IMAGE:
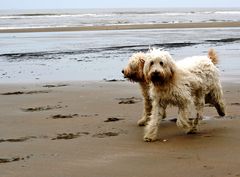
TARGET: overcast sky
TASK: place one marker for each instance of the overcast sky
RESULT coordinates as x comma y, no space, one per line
56,4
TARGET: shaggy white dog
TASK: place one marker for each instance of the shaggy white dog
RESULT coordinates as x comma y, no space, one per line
134,73
182,84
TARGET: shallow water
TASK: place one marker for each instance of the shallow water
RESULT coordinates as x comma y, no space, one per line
98,55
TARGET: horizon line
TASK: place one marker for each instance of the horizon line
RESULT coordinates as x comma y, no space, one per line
167,7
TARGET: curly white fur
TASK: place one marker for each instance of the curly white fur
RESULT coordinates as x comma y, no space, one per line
183,84
134,72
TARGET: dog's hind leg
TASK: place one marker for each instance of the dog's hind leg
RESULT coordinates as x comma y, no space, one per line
199,102
164,114
184,122
219,105
199,105
215,97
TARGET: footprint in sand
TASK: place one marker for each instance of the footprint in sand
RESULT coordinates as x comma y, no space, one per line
235,104
113,80
25,93
131,100
89,115
60,116
106,134
41,108
67,136
113,119
14,159
69,116
52,85
14,140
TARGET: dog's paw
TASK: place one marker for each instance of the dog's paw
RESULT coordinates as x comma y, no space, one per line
180,124
142,122
149,139
192,130
151,133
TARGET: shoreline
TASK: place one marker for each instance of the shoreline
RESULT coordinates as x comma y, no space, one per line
126,27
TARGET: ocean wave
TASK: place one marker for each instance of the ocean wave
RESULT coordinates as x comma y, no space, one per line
171,14
159,13
153,13
30,16
228,12
184,13
113,14
34,27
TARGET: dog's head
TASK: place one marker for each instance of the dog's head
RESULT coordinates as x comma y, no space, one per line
159,67
134,70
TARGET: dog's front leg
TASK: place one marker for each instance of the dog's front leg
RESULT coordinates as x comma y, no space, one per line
151,130
147,104
146,111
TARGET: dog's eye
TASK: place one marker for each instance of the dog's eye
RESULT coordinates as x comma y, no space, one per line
151,63
161,63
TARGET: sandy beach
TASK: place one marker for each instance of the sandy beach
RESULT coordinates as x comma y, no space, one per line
67,112
125,27
89,129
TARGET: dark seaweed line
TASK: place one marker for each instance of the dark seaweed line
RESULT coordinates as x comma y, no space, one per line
94,50
227,40
128,47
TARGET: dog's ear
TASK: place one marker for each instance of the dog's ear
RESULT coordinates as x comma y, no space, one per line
142,60
140,69
171,65
141,63
172,71
145,73
172,68
147,79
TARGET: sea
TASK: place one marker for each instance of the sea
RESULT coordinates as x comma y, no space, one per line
101,55
98,17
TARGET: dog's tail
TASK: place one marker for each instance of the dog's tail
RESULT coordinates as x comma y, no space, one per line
213,56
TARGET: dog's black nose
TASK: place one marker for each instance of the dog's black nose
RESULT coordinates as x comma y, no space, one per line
123,71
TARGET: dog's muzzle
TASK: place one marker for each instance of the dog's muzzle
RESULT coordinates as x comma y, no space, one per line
123,72
157,78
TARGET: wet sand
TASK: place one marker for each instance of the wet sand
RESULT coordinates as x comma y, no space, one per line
125,27
89,129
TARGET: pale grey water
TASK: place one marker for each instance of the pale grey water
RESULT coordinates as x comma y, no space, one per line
95,55
96,17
